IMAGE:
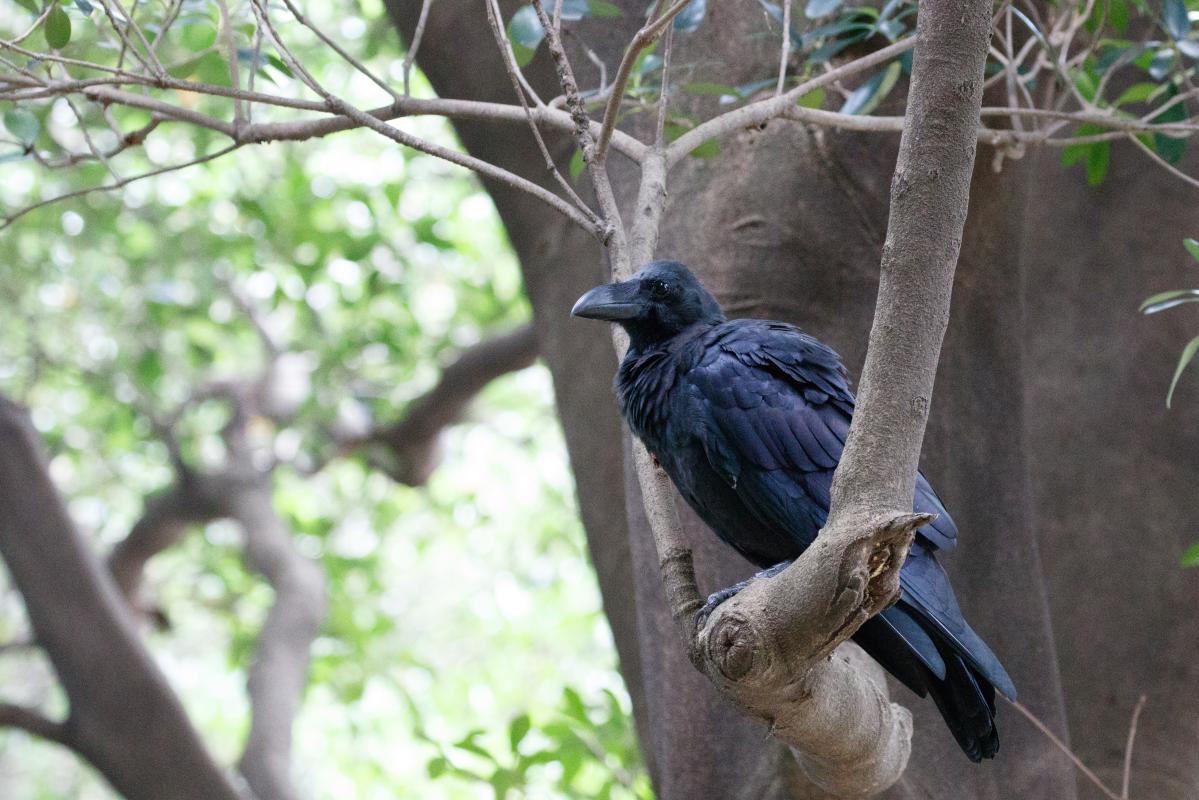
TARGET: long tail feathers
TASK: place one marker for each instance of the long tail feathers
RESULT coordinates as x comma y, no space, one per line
967,702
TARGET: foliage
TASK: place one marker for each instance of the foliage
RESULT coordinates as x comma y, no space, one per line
1161,302
455,609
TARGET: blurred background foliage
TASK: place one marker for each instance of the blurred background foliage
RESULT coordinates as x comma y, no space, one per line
465,654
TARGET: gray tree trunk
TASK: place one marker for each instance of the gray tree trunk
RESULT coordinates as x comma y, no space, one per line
1034,435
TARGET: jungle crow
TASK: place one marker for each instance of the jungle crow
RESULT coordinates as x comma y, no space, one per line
748,418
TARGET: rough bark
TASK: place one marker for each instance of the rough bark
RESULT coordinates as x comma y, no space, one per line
123,718
788,224
1114,471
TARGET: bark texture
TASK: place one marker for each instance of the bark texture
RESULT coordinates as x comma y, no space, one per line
788,223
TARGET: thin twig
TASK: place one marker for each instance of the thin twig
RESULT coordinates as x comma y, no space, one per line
785,55
643,39
774,107
613,232
484,168
341,51
664,92
510,65
239,115
1161,162
417,35
1132,738
108,187
1081,767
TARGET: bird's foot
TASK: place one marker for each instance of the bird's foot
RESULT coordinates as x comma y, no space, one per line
716,598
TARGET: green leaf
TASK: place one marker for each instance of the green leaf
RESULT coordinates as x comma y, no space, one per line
1086,83
574,705
577,163
199,36
1174,14
1072,154
279,64
1117,15
22,124
709,149
58,28
1138,93
1162,63
1192,247
1190,556
30,5
691,17
437,767
1169,147
1188,353
1165,300
1098,159
820,8
866,97
703,87
813,99
517,730
525,28
469,744
602,8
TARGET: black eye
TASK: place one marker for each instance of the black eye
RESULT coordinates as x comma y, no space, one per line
658,289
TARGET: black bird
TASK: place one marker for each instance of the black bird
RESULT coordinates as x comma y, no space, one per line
749,418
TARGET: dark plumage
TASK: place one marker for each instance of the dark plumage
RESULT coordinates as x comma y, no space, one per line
749,419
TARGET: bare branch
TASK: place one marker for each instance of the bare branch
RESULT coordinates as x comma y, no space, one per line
410,56
108,187
33,722
279,671
341,51
484,168
514,74
1132,738
785,54
1161,162
765,110
643,39
1065,749
613,233
407,449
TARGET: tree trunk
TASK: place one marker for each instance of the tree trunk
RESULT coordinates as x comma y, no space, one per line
788,223
1114,472
123,718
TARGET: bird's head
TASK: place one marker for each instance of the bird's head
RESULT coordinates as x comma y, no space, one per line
660,301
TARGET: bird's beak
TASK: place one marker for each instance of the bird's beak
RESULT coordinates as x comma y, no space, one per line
612,301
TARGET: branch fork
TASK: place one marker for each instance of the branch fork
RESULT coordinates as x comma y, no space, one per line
779,650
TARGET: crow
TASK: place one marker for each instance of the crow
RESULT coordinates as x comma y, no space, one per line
748,418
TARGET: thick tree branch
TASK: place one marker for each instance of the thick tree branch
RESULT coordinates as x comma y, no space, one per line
279,672
768,647
930,193
407,449
124,718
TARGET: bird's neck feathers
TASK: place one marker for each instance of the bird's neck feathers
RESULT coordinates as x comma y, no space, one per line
647,375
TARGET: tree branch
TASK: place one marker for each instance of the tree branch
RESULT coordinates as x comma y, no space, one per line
34,723
79,619
279,672
768,647
765,110
407,449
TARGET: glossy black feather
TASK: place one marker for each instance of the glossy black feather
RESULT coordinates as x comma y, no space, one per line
749,419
